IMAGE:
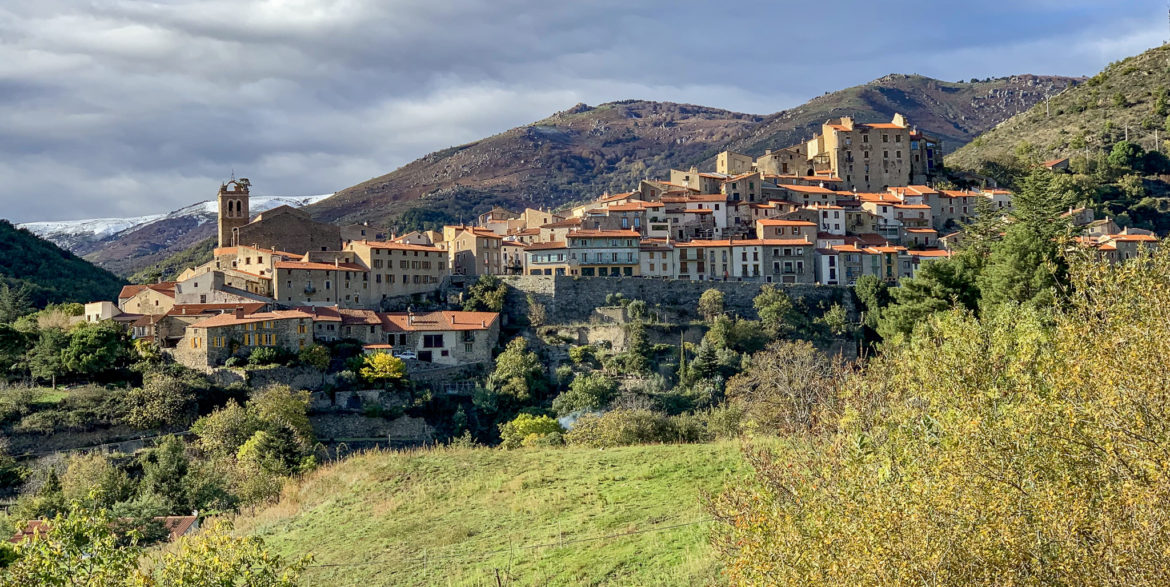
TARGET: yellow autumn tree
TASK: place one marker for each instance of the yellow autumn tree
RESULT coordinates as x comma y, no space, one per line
382,368
1024,447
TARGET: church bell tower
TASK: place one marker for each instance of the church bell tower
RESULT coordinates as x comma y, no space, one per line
233,209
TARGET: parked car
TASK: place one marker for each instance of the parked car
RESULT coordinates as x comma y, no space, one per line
404,355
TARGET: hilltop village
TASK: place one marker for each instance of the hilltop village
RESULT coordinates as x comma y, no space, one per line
853,201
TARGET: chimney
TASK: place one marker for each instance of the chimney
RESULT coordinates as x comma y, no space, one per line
239,312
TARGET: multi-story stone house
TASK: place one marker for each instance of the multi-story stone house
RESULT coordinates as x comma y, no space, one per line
604,253
551,258
473,250
152,299
873,157
700,183
443,338
659,258
717,206
305,283
743,187
920,238
954,209
788,260
559,230
807,195
785,228
209,342
399,269
840,264
786,161
732,163
646,218
223,287
704,260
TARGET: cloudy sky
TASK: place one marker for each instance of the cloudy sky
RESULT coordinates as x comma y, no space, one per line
127,107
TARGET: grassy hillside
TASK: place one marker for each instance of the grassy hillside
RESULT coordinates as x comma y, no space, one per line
556,516
1085,119
51,274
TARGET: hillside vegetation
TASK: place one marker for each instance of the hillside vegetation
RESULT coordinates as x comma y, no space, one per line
631,515
1087,118
583,151
49,273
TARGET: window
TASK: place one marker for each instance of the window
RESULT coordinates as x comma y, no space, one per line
432,341
468,347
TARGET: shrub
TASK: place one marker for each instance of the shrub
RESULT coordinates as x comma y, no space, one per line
711,304
382,369
587,393
621,428
161,402
582,355
233,362
266,355
315,356
638,310
529,430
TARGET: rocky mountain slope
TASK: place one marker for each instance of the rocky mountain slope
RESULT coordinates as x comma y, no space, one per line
126,245
583,151
1121,101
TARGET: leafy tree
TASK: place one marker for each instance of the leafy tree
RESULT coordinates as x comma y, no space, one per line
96,349
44,359
382,368
536,312
216,557
787,388
836,321
1000,449
1160,106
278,407
711,304
1126,155
79,548
528,430
774,308
588,393
94,481
487,294
874,295
83,547
165,473
14,302
316,356
1023,269
582,355
638,310
14,347
274,451
163,401
225,430
939,285
519,374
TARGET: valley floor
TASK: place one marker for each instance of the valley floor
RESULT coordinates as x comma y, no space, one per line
460,516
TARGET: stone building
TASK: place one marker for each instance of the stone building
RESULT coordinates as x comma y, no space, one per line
399,269
232,201
873,157
154,298
209,342
446,338
604,253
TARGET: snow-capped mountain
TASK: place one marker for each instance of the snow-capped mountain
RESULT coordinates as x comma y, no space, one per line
69,233
124,245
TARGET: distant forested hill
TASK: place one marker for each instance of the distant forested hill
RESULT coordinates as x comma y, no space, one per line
51,274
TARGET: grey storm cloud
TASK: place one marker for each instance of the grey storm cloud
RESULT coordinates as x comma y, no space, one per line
125,107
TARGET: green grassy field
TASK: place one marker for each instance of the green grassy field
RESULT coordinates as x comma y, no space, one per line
458,516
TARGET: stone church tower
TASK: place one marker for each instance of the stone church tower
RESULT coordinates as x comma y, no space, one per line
233,209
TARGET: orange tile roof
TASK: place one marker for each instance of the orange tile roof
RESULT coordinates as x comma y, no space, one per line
1132,238
129,291
604,234
707,198
922,230
883,125
929,253
808,189
319,266
911,206
436,321
195,309
783,222
958,194
546,246
566,223
229,319
396,246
